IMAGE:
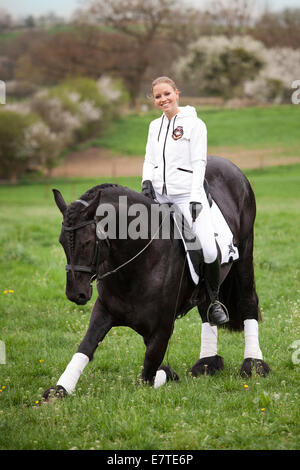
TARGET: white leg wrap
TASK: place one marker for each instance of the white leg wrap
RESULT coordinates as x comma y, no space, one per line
209,340
160,378
252,348
73,371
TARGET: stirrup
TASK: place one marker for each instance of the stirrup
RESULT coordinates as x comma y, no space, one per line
223,307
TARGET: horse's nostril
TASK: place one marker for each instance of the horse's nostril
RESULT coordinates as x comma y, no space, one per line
81,296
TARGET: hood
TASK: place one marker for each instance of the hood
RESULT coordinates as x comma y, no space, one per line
187,111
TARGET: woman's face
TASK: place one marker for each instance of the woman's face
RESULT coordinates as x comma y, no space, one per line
166,99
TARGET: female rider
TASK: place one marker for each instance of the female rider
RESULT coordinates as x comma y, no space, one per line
173,172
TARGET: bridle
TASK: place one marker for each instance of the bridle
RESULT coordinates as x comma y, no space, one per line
94,267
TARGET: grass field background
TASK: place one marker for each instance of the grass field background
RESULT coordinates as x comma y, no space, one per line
42,329
246,128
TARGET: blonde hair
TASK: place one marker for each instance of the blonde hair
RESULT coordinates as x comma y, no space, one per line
159,80
167,80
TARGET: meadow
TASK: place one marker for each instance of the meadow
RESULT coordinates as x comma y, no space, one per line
245,128
41,330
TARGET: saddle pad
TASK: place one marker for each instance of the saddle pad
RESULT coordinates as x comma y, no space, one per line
223,235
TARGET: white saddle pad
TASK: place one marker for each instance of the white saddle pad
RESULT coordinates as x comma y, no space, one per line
224,239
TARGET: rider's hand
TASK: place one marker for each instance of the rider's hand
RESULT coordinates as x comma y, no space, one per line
195,209
148,190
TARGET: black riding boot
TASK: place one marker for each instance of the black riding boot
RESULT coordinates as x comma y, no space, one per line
217,313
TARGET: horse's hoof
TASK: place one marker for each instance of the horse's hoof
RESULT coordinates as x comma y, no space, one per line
55,392
163,375
258,365
208,365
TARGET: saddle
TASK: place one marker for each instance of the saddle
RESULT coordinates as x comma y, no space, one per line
224,238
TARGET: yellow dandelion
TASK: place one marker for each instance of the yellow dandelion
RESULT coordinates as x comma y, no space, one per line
262,409
41,360
11,291
5,291
1,391
36,402
3,387
246,386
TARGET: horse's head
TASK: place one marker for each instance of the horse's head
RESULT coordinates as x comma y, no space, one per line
79,240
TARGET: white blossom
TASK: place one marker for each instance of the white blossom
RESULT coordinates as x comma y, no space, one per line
89,112
282,67
106,87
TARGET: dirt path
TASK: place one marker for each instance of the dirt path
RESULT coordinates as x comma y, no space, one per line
95,162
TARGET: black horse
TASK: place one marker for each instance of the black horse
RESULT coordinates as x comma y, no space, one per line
145,283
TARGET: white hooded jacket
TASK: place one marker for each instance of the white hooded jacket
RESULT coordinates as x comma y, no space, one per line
176,154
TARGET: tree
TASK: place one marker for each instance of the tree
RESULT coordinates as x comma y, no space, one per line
5,20
139,23
280,29
219,66
231,17
13,157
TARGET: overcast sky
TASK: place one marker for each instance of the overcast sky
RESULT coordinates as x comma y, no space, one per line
65,8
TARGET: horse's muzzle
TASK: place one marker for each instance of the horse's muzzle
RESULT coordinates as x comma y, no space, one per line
80,297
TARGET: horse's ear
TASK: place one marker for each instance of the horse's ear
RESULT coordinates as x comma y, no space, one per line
60,202
93,205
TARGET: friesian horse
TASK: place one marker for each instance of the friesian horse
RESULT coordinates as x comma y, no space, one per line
145,283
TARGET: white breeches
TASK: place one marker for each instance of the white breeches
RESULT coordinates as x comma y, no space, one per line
202,226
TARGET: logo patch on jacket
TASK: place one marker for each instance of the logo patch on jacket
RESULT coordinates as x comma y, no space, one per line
177,133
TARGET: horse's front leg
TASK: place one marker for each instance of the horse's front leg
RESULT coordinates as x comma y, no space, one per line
100,324
153,372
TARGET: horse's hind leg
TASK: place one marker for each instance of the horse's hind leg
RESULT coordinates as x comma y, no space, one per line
100,324
247,303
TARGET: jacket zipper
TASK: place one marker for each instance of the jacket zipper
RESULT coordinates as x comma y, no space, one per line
164,189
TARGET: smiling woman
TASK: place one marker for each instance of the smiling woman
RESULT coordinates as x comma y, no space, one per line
166,95
174,172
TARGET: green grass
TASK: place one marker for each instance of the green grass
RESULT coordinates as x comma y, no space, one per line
253,127
42,330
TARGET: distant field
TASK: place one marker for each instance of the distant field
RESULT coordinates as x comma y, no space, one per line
42,329
246,128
